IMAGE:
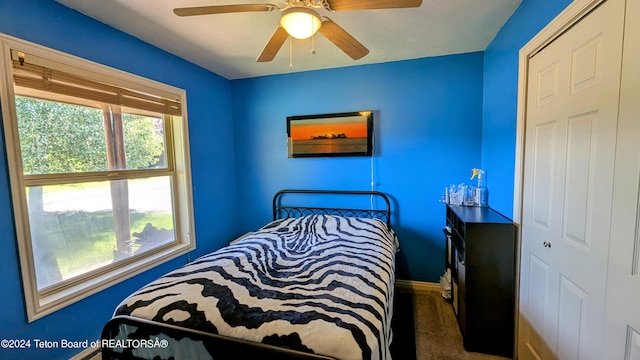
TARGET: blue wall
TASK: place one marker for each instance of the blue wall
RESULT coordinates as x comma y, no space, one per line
427,123
211,138
501,95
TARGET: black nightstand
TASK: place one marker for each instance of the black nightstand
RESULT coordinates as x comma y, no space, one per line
481,256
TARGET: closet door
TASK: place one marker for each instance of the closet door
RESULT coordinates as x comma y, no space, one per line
623,287
570,138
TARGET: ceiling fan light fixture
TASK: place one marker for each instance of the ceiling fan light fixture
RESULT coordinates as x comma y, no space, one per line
300,23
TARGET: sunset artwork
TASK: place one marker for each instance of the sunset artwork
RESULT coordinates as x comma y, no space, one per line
345,134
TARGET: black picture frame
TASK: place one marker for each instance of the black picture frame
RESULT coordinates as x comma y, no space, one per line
330,135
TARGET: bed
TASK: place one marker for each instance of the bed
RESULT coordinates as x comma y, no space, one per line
315,283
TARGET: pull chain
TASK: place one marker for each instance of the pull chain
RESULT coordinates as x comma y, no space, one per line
313,40
290,52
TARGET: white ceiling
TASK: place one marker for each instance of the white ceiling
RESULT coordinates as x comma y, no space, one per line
228,44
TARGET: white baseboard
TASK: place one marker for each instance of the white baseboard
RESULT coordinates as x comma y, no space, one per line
416,286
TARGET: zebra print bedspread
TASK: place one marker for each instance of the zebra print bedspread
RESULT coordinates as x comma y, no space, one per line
321,284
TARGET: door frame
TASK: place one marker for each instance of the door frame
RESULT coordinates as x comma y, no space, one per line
573,13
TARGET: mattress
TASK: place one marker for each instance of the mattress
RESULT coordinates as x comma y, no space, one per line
319,284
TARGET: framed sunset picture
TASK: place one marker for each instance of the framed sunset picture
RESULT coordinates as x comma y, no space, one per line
341,134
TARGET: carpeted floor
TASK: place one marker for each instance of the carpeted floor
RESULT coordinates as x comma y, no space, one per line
425,328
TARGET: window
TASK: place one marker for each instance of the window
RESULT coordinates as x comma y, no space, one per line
99,169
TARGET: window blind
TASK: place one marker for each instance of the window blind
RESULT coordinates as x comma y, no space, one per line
42,78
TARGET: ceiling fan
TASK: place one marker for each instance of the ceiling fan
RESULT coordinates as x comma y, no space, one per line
301,20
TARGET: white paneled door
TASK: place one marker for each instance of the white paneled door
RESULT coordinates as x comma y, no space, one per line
623,286
570,151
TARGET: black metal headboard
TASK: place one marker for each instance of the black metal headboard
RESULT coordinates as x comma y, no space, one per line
281,211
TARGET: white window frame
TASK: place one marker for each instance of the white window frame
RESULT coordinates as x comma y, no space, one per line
40,303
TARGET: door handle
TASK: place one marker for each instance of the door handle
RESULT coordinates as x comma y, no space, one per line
546,244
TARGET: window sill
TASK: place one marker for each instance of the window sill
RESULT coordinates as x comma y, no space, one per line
50,303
